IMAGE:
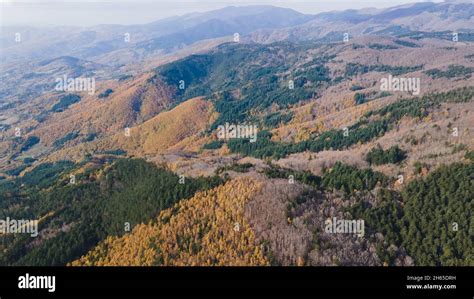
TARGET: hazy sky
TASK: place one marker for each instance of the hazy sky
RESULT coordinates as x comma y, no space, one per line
89,12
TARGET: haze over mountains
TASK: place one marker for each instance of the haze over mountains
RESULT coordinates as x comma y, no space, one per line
160,36
136,172
171,34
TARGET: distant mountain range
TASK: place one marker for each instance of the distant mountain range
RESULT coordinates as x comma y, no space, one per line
157,37
107,43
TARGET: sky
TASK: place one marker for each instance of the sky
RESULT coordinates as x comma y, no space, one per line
90,12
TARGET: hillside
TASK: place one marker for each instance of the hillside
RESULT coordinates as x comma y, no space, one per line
108,197
208,230
178,129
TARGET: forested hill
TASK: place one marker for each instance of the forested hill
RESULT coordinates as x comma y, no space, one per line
75,215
